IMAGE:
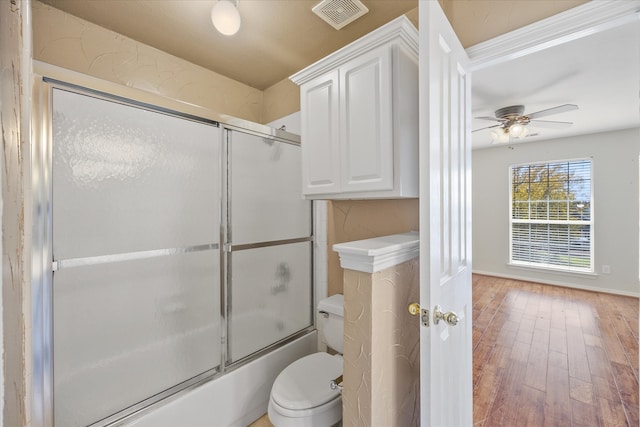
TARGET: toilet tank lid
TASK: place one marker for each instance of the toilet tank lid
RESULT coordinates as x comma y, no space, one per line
333,304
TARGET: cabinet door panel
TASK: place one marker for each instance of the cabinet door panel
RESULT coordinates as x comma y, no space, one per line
366,122
321,155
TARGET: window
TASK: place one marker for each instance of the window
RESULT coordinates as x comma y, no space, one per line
551,215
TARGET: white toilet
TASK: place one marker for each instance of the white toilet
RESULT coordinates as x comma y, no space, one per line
301,395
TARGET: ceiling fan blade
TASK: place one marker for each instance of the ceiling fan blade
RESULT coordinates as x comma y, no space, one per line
495,119
488,127
550,124
555,110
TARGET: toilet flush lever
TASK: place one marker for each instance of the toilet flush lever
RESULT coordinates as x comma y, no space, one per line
336,384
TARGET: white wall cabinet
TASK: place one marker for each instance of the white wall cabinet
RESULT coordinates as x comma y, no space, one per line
359,109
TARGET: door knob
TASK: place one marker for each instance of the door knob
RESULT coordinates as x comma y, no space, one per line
449,317
414,309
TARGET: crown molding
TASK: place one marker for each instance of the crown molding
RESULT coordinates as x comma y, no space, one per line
380,253
400,29
589,18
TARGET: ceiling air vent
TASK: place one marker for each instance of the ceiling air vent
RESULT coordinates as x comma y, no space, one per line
339,13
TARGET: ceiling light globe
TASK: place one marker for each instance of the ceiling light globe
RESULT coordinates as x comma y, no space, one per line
499,136
516,130
504,137
225,17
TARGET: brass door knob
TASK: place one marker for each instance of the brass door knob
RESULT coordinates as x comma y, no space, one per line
414,309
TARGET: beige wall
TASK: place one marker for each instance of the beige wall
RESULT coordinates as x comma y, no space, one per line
66,41
350,220
381,348
280,100
15,107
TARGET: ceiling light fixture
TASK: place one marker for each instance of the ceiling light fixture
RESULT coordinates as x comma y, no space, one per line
516,130
225,17
500,135
505,134
513,123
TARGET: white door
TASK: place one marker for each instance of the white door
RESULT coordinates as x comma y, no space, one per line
445,223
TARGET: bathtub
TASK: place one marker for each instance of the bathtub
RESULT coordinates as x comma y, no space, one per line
236,398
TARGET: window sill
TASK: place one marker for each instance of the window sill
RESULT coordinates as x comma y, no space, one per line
585,274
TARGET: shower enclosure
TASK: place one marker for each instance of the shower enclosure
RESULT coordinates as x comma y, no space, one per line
167,249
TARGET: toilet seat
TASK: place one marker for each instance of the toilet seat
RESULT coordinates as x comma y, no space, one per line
305,383
301,395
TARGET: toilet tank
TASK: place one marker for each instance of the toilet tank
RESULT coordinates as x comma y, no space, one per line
330,321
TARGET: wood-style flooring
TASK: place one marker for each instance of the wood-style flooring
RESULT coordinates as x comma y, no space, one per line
552,356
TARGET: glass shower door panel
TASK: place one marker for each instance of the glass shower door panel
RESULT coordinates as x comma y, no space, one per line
270,296
126,331
121,176
265,190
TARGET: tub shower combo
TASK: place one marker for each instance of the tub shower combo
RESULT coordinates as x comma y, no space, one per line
169,251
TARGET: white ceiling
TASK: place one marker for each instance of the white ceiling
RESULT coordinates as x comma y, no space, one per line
600,73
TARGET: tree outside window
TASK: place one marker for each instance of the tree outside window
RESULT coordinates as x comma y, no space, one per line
551,215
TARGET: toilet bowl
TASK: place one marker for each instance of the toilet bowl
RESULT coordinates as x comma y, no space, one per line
301,395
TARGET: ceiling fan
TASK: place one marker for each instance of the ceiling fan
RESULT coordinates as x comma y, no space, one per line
513,122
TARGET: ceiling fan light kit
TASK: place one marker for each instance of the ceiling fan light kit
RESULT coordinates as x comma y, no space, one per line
513,121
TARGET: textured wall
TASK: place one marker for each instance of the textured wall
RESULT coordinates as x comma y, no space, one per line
280,100
382,348
15,117
351,220
66,41
356,395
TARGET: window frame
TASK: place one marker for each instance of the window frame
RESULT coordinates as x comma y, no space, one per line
590,222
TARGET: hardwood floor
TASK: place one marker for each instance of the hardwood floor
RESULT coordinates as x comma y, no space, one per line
552,356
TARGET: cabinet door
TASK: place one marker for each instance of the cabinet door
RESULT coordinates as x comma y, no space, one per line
366,122
320,144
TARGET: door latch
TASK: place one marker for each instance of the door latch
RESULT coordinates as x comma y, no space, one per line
414,310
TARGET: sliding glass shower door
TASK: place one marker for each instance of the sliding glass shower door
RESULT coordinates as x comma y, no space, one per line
136,258
269,236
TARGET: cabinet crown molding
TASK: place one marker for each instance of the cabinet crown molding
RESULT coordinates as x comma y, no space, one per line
400,28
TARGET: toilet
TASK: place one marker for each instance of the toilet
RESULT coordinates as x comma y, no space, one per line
301,395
